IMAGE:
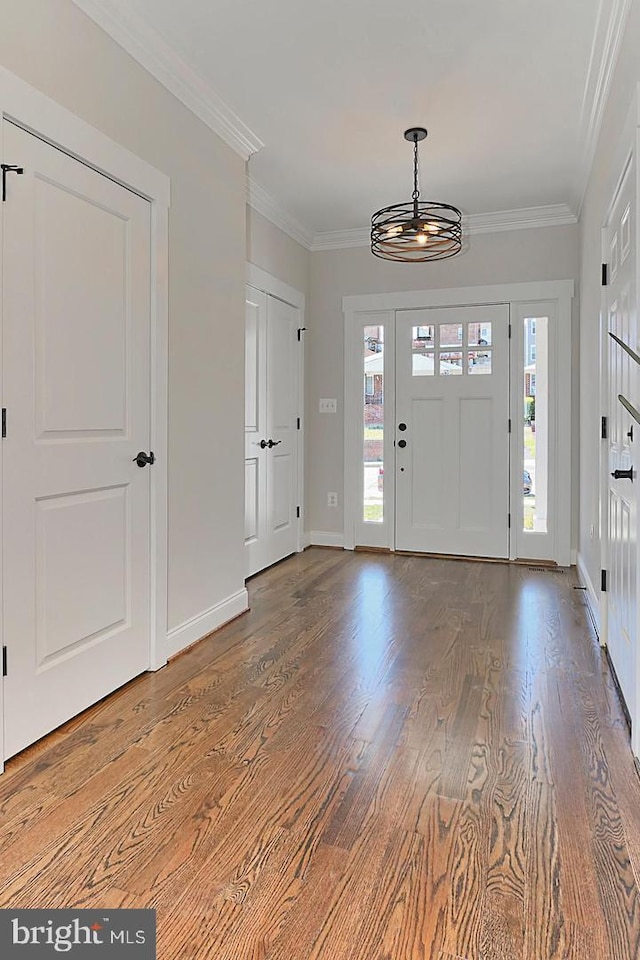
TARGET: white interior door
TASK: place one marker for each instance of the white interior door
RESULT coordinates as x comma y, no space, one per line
452,440
76,349
271,424
620,294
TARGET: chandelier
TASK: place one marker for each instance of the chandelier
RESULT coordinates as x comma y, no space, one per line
416,231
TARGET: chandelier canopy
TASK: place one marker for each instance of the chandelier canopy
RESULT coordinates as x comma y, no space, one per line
416,231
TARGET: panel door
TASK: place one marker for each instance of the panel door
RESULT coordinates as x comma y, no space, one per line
271,458
620,296
452,441
76,307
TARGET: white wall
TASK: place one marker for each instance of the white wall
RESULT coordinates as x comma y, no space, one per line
509,257
594,212
53,46
269,248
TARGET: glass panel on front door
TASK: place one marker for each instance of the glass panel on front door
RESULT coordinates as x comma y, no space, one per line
445,357
373,425
422,352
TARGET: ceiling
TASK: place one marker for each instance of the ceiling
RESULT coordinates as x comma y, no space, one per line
511,92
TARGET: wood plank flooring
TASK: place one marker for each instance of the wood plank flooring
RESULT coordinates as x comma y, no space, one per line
387,758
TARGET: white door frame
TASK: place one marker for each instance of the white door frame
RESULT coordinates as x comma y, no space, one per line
261,280
380,308
34,112
628,145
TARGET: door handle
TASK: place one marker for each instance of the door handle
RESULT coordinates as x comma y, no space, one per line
273,443
623,474
142,459
402,443
263,444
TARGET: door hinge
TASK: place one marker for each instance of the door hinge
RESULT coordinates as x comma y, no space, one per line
298,420
509,521
300,330
4,661
8,168
4,422
509,424
509,331
298,512
604,277
603,581
603,428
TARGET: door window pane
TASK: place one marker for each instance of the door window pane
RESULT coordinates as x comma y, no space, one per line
373,425
423,354
422,337
450,335
535,486
479,362
423,364
450,364
480,334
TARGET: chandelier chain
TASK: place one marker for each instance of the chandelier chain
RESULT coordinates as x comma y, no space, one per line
416,193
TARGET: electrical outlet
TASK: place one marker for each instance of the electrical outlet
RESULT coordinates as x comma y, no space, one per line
332,499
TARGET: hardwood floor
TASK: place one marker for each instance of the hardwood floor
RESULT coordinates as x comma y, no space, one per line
387,758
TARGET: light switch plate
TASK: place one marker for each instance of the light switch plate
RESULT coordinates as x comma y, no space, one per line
328,406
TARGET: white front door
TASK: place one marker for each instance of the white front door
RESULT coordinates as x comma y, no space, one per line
76,350
620,294
271,424
452,441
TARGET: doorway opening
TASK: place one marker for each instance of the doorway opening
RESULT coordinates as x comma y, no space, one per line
458,422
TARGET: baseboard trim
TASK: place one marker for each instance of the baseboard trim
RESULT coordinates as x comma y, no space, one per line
322,538
205,623
591,596
306,540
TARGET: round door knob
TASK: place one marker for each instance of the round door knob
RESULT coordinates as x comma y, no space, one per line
142,459
402,443
263,444
402,426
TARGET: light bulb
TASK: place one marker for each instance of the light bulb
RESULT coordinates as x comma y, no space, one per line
393,231
422,238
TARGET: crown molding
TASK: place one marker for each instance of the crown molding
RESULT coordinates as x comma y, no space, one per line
341,239
605,49
153,53
527,218
264,203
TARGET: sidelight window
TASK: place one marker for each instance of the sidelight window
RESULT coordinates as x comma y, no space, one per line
373,426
